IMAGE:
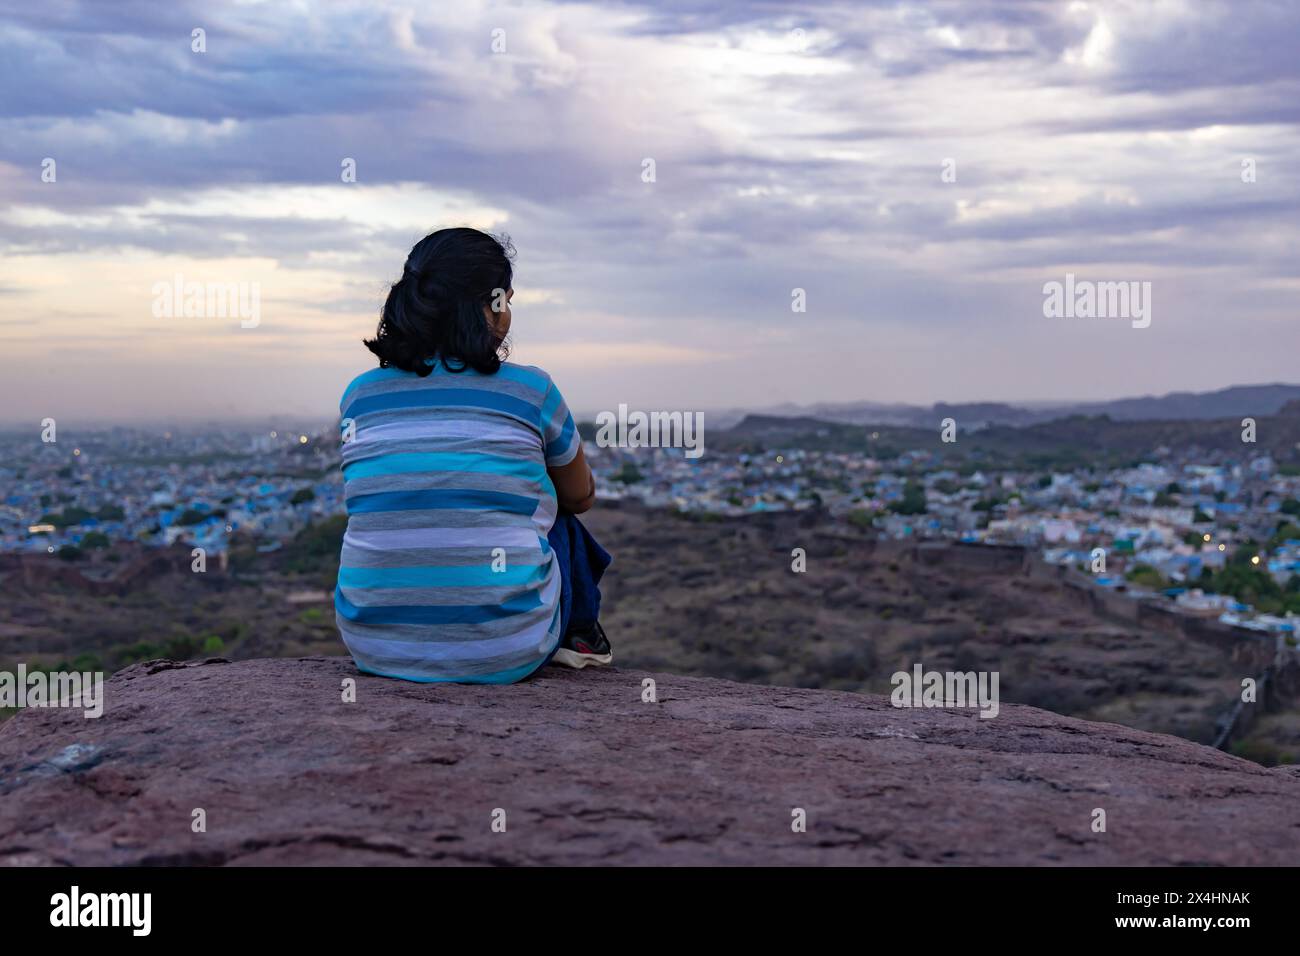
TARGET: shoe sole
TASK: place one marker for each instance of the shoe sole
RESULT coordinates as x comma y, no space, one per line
578,661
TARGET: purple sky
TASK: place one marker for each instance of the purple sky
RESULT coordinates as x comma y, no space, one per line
795,146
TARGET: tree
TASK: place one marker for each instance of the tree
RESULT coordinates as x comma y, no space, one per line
316,548
630,474
1250,584
912,502
95,540
67,518
1146,576
862,518
1284,532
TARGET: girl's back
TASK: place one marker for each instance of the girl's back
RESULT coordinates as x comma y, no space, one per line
446,572
449,505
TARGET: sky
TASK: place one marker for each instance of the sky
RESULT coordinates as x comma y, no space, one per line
913,174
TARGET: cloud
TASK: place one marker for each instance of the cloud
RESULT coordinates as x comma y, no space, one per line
795,146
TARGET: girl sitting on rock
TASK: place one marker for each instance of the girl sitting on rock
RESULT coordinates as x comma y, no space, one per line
463,474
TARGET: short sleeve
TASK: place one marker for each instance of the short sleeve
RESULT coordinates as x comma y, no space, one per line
560,440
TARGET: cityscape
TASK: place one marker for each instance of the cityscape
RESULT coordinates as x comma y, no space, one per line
1210,534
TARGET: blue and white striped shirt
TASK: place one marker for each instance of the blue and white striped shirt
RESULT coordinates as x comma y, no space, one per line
446,573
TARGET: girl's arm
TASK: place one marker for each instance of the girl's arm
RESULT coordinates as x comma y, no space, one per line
575,485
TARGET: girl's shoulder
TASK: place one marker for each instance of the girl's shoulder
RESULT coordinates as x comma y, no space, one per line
369,377
531,376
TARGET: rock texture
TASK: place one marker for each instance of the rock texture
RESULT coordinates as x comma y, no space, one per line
586,772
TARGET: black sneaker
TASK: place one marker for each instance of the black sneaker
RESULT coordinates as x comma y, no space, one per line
583,646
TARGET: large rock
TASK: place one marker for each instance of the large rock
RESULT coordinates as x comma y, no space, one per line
586,772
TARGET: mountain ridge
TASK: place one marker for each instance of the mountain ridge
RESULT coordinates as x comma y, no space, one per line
1239,400
1070,441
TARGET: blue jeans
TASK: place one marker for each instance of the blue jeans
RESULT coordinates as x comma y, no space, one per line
582,563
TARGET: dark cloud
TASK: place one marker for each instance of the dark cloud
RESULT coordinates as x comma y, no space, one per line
1080,134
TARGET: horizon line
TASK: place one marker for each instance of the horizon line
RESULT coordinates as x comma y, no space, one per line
300,417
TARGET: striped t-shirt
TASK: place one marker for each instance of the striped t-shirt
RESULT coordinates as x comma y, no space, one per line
446,573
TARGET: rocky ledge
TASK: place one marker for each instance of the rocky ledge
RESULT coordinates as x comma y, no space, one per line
264,762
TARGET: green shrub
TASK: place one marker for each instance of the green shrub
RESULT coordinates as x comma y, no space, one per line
95,541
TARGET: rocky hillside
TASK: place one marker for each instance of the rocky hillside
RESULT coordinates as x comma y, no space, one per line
696,596
582,768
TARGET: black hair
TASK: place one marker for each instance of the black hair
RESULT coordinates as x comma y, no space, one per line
435,310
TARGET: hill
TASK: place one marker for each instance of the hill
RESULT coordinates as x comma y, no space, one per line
710,598
1071,441
1236,401
587,771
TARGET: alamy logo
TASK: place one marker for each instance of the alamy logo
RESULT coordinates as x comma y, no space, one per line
53,689
923,688
651,430
1085,299
103,909
208,300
